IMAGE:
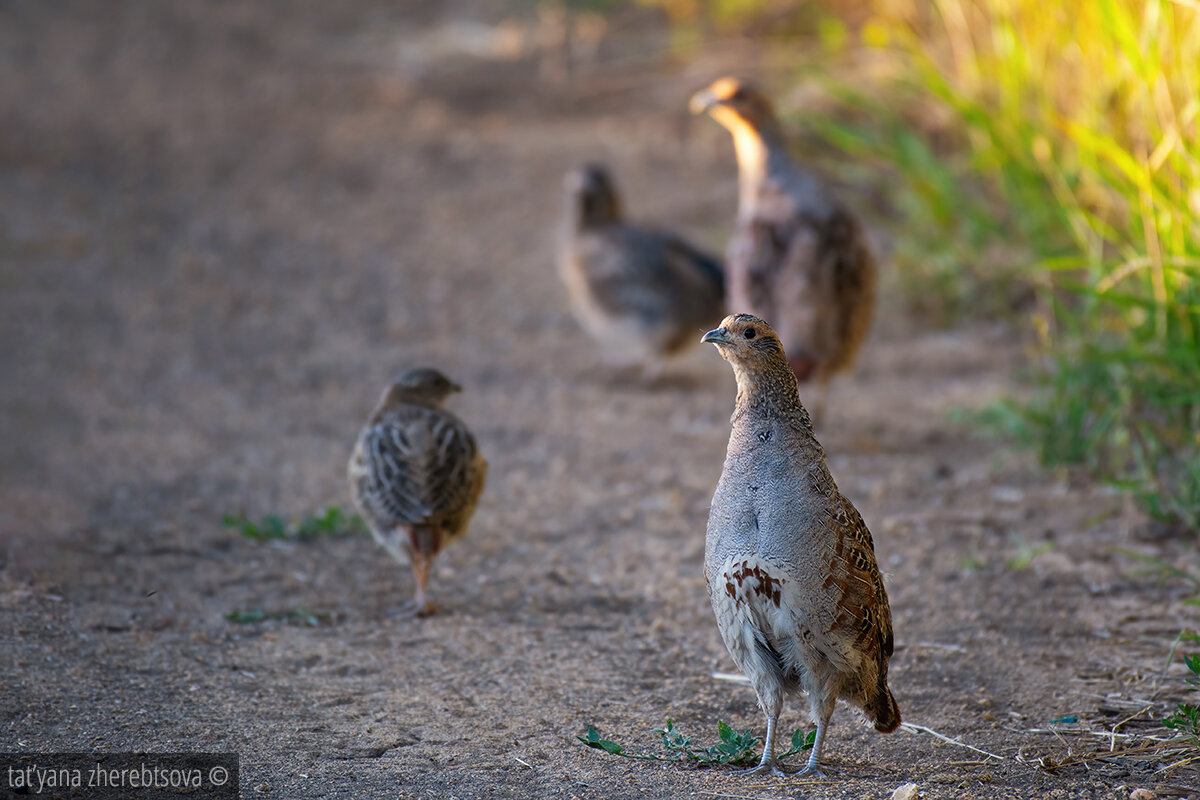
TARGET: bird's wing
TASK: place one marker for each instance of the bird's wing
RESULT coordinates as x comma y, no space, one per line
694,265
415,467
863,610
850,281
628,272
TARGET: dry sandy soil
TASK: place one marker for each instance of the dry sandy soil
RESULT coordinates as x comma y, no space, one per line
223,228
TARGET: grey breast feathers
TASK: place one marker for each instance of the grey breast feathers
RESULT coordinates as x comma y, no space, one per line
418,466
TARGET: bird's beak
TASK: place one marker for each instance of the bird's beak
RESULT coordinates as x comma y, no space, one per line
454,387
702,101
716,336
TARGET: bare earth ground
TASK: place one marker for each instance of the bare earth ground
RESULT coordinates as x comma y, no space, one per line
223,227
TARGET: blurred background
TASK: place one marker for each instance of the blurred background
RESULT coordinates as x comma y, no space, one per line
1022,163
224,227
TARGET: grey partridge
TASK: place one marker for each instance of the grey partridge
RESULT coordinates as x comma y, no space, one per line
416,474
798,256
623,278
789,563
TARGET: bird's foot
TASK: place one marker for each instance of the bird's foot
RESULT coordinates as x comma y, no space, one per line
768,768
811,771
412,609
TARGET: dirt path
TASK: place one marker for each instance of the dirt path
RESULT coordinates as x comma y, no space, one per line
223,228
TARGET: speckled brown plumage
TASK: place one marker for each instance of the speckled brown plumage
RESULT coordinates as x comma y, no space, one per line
798,256
416,474
789,562
624,279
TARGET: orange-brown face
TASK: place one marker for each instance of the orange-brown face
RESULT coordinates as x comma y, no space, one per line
745,337
733,103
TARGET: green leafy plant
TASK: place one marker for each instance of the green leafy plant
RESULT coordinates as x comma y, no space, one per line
733,747
294,616
1186,719
333,521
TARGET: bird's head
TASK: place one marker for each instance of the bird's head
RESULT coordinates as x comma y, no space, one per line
736,104
753,349
745,340
593,196
421,386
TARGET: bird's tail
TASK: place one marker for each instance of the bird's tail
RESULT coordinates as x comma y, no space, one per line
883,711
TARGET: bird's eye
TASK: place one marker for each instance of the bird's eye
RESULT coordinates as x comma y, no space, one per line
750,333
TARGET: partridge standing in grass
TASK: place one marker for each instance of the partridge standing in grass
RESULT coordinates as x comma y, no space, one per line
416,474
622,277
790,565
798,257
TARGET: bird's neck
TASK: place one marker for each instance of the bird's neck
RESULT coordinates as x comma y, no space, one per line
759,150
398,398
596,212
768,390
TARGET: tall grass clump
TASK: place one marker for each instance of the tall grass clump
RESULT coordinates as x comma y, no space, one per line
1061,138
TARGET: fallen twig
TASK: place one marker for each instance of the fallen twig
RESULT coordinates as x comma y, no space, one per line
731,677
922,729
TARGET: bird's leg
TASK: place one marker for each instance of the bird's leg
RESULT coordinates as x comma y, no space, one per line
419,606
813,767
423,550
768,763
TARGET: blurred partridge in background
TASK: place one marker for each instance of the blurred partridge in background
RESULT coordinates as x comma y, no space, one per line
798,257
416,474
789,563
622,278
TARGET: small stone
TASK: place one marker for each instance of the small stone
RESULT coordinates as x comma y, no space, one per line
1142,794
906,792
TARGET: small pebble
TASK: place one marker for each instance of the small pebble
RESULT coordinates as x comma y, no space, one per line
1142,794
906,792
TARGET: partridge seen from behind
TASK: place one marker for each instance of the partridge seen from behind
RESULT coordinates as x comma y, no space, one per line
623,278
789,563
798,256
416,474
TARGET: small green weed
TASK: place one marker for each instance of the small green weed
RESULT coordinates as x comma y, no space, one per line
1164,571
975,562
294,616
733,747
1026,553
333,521
1186,720
1185,635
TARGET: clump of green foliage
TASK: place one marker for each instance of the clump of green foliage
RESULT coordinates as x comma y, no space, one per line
733,747
333,521
1186,719
1058,144
293,616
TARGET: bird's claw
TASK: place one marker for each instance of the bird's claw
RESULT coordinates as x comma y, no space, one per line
412,610
811,772
768,768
